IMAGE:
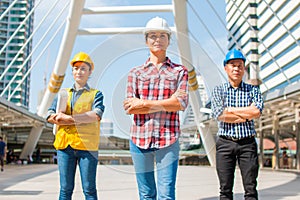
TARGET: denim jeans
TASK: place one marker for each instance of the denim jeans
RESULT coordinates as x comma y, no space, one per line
67,162
165,162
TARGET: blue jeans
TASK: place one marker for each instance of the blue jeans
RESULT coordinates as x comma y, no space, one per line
166,162
67,162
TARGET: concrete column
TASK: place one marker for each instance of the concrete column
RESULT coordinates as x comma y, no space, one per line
32,141
261,149
261,144
275,132
297,113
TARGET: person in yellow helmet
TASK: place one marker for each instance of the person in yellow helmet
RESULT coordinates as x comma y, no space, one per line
78,130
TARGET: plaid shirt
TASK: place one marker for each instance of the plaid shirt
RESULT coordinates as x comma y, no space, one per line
159,129
224,96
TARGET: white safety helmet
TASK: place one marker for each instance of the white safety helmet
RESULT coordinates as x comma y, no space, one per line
157,24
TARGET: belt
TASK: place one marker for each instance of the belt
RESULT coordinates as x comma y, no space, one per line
234,138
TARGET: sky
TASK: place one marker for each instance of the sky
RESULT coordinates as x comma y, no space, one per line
115,55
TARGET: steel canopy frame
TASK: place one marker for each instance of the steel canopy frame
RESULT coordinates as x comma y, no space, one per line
59,70
71,31
180,15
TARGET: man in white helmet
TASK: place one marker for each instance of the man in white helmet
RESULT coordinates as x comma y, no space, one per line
156,92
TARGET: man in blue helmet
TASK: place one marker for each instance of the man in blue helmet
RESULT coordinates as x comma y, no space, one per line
234,105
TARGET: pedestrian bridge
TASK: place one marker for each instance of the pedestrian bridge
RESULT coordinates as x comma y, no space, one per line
280,119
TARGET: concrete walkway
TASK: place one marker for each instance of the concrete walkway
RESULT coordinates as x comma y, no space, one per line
118,182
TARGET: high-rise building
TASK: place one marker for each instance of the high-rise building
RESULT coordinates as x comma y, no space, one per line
16,26
267,32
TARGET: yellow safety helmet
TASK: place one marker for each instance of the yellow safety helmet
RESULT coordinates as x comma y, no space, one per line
84,57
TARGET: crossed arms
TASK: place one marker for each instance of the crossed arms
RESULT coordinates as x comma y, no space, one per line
140,106
64,119
239,114
244,112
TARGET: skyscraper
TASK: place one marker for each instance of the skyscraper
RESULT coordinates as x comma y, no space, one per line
268,33
16,25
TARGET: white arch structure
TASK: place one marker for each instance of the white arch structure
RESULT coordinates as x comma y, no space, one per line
178,8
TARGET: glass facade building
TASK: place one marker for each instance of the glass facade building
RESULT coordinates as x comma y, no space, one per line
268,33
16,26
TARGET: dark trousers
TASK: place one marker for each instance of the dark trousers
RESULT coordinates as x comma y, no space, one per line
243,152
1,161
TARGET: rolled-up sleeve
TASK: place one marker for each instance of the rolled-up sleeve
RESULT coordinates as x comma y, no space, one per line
258,99
131,85
217,102
52,108
182,92
98,105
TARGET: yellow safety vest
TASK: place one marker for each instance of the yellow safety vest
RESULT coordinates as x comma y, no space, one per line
79,136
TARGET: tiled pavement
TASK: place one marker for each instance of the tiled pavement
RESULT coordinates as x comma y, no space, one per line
118,182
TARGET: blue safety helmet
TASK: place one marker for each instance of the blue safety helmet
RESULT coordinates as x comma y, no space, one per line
234,54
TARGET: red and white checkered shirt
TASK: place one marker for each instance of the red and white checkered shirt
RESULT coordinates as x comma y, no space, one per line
159,129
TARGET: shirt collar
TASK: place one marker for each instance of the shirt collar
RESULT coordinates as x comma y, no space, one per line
167,63
86,87
242,84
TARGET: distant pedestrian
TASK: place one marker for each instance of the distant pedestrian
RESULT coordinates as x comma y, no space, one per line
234,105
54,158
9,156
285,160
38,155
2,153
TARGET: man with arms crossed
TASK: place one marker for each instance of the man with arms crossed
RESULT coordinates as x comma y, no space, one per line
234,105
